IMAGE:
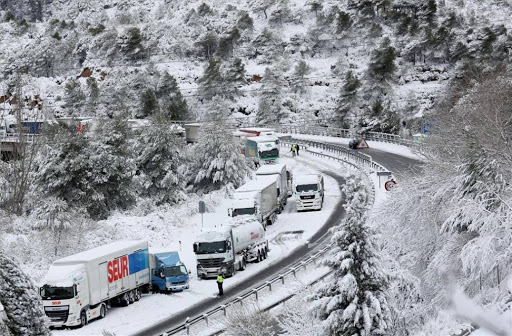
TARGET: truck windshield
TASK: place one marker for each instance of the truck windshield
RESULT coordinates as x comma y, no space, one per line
214,247
57,293
269,153
306,187
244,211
175,271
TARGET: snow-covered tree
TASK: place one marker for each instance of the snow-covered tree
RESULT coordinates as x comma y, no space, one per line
235,77
22,305
158,160
171,100
382,64
270,104
212,82
217,160
74,99
347,103
354,302
300,82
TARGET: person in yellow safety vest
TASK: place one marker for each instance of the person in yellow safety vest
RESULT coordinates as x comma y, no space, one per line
293,150
220,280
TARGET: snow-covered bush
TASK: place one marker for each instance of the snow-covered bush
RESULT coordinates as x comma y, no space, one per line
248,320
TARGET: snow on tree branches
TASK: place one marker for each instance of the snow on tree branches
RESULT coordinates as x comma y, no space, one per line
354,302
22,306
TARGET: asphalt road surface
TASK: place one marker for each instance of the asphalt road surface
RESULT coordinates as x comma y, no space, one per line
396,163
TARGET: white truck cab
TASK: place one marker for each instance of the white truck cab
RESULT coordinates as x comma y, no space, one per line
309,192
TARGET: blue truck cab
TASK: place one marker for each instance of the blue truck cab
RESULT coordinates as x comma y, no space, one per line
168,273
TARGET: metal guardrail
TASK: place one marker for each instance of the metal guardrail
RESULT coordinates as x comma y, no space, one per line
222,309
359,159
15,137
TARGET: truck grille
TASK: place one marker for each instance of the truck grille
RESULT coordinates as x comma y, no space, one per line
211,263
307,197
57,314
178,283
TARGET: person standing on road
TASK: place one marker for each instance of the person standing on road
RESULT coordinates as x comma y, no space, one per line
293,150
220,281
297,149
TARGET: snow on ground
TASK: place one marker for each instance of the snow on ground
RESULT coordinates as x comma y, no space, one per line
155,307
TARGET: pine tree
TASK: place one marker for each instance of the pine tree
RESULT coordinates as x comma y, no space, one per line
268,47
74,98
22,306
348,98
300,83
382,64
211,83
158,160
270,104
93,95
171,99
216,160
354,302
111,168
148,104
235,77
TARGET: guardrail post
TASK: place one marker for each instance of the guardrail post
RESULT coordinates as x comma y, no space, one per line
255,293
187,325
294,272
224,310
205,317
269,284
282,278
240,299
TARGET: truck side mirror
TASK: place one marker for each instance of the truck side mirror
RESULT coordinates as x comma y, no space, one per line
189,272
230,212
195,247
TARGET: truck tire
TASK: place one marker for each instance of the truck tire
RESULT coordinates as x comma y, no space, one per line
258,258
138,294
131,296
242,264
103,311
125,300
264,254
83,319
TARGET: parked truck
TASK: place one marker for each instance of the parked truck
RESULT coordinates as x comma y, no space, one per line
81,287
227,249
168,273
262,149
257,198
309,192
283,178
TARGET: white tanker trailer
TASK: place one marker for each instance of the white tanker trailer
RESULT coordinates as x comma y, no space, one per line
227,249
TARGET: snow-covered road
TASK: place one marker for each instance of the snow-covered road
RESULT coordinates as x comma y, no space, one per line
284,236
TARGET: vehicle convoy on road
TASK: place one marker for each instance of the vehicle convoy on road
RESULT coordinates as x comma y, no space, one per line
283,179
227,249
256,199
168,273
308,191
262,149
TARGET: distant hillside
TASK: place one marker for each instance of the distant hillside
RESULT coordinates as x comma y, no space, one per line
375,64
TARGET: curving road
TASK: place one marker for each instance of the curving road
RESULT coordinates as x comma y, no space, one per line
396,163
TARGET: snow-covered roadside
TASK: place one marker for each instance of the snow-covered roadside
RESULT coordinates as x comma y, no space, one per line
383,146
163,232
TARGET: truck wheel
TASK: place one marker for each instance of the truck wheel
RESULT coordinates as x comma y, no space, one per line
264,254
125,300
258,258
103,311
131,296
242,265
83,319
138,295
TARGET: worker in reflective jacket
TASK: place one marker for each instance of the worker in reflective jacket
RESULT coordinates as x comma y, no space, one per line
220,280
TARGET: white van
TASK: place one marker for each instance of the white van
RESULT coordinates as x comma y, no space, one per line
308,191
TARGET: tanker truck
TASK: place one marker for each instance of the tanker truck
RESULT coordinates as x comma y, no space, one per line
257,199
229,248
81,287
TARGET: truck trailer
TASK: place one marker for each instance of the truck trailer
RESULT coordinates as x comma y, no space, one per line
309,192
227,249
258,199
168,273
262,149
283,178
81,287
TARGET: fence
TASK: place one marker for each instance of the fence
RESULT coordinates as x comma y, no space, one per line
222,310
